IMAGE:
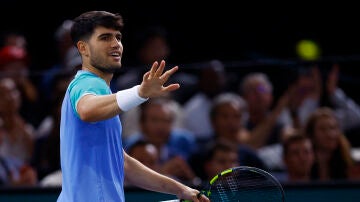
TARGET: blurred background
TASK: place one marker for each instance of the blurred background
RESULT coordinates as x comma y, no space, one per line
203,31
286,42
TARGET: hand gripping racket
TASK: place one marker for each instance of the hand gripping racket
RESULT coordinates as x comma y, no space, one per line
244,184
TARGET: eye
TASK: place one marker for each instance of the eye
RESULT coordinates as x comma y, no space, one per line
118,37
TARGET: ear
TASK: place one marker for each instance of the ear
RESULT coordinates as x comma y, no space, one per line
82,47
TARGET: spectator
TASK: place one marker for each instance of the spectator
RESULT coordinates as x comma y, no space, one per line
175,146
298,155
14,63
216,158
46,157
263,122
152,45
333,160
226,118
212,81
68,57
16,138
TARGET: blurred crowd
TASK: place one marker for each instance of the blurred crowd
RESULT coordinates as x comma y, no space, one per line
219,118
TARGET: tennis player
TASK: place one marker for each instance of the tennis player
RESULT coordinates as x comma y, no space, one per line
93,161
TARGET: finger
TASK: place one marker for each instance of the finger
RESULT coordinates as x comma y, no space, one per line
171,87
160,69
146,76
168,73
153,69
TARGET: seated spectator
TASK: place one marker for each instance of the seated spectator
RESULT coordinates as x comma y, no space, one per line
212,81
175,146
214,159
298,157
345,108
226,118
333,160
68,58
17,141
13,172
46,157
15,64
152,45
264,122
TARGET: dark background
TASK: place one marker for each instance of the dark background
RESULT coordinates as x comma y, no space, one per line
235,32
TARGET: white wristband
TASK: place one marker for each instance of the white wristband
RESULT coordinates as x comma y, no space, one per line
129,98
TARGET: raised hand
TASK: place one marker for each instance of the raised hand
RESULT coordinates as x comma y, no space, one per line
155,79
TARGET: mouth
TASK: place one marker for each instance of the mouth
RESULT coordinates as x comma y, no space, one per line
116,55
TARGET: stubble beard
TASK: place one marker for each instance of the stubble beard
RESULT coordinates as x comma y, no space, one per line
107,68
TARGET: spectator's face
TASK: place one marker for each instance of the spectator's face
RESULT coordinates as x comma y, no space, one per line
212,81
299,158
157,123
221,160
156,49
227,122
258,96
326,133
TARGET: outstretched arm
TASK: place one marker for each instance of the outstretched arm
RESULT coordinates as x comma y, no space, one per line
96,108
139,175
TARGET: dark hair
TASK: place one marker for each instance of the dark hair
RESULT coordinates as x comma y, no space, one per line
211,149
85,24
297,137
139,143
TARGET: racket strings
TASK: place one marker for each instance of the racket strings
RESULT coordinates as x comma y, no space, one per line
245,185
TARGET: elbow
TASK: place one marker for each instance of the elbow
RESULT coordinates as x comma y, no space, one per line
85,114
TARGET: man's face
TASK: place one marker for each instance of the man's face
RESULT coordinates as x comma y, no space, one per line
157,124
300,157
105,49
222,160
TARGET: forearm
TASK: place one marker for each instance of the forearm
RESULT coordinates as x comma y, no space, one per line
143,177
346,109
260,134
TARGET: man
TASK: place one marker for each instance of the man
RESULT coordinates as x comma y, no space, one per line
93,161
218,157
299,158
174,145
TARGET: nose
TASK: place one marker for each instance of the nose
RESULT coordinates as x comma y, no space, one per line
116,43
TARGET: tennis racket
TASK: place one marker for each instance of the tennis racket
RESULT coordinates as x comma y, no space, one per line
243,184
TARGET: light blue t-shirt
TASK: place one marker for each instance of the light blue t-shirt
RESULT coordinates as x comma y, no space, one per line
92,161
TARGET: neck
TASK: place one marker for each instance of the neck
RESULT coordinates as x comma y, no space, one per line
104,75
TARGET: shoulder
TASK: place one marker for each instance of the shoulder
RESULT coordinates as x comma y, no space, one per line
87,82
